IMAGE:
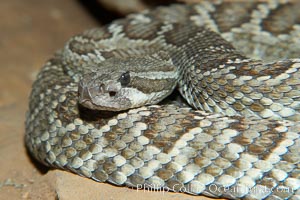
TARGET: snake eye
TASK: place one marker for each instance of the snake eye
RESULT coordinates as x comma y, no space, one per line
125,79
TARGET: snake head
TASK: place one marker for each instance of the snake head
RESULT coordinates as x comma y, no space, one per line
105,91
122,84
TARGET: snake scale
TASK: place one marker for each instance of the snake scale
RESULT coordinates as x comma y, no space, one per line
94,108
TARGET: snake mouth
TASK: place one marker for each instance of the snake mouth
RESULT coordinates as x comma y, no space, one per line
104,105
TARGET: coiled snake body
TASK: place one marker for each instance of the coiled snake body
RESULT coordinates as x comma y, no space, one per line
90,108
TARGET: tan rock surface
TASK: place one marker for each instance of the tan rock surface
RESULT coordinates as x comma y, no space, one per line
130,6
31,31
124,7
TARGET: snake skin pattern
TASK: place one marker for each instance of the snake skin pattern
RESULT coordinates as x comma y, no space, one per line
242,142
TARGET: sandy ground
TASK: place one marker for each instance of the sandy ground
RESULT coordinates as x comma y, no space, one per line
31,31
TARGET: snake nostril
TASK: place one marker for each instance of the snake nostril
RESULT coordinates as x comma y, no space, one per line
112,93
102,88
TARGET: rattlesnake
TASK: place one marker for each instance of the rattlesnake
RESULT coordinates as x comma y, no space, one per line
240,139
